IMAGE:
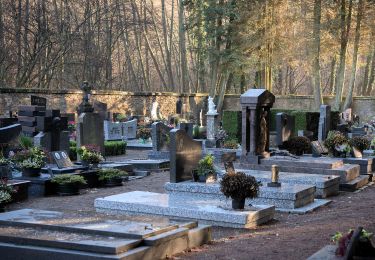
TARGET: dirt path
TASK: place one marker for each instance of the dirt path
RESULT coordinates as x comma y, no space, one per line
289,236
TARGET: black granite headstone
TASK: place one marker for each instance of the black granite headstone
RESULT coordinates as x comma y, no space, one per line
38,101
179,106
185,154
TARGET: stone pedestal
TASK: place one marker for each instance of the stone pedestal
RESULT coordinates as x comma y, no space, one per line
211,129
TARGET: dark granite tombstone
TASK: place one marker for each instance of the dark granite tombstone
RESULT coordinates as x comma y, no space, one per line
101,108
185,154
160,141
38,101
187,127
7,121
179,106
53,134
62,159
324,122
9,133
256,105
27,118
284,128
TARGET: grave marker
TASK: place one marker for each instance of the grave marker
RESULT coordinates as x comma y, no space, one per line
284,128
62,159
324,122
38,101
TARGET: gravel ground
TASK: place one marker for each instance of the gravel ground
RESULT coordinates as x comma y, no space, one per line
289,236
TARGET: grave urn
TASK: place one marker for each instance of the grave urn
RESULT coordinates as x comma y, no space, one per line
238,204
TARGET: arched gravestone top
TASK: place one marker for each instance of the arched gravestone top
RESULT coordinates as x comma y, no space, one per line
185,154
257,97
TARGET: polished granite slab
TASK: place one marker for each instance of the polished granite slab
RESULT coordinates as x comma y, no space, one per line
40,234
215,212
326,185
285,198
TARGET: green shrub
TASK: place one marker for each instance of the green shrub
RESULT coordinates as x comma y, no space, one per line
68,178
232,123
206,165
334,138
300,120
72,143
73,153
231,144
239,186
298,145
360,142
112,148
110,173
25,142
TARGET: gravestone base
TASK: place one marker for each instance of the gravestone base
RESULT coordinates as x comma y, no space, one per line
366,165
39,186
326,185
22,188
287,198
137,145
149,164
159,155
29,234
210,211
349,173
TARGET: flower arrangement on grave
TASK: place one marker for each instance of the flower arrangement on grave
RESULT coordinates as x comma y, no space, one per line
239,186
342,240
220,137
298,145
206,169
30,161
4,161
71,126
68,184
337,144
360,142
230,144
144,133
5,191
90,154
111,177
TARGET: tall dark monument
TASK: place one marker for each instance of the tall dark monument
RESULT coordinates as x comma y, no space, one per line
256,105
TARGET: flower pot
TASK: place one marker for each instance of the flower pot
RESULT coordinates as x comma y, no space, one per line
238,203
112,182
3,207
68,189
30,172
91,179
201,178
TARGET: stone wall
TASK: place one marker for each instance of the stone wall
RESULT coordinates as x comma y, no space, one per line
140,103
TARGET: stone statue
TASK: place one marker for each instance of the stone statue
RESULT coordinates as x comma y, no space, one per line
85,106
211,106
263,130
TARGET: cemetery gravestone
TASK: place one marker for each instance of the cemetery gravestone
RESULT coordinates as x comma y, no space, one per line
185,154
179,106
38,101
90,130
112,131
284,128
62,159
129,129
256,105
101,108
187,127
27,118
53,134
324,122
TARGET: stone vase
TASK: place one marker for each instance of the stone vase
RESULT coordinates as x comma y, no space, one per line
238,204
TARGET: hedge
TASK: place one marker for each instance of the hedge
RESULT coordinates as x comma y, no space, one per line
232,124
111,148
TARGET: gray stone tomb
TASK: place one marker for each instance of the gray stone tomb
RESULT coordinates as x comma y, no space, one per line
256,105
284,128
185,154
160,141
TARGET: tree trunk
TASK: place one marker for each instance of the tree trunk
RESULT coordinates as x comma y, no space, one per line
349,96
371,78
182,43
345,27
332,76
318,99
